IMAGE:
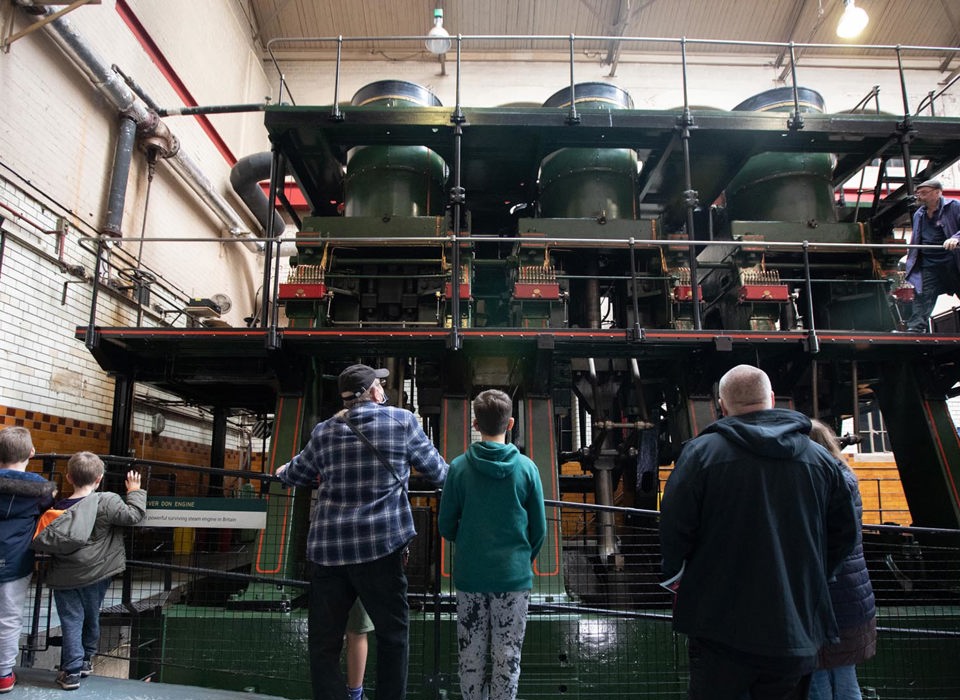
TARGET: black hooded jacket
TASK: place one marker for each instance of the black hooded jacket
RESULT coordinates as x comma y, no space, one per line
759,516
23,496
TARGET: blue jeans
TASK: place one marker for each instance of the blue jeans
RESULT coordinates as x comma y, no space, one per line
835,684
937,280
381,586
79,611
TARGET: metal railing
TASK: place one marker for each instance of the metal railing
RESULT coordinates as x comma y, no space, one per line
191,609
679,45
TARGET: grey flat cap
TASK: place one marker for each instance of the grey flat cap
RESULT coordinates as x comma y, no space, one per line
935,184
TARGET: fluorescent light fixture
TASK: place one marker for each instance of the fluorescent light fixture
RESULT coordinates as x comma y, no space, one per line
853,20
439,41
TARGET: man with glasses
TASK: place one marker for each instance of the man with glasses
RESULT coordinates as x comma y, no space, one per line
933,272
361,525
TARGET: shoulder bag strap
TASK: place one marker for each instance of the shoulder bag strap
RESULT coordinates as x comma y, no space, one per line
383,460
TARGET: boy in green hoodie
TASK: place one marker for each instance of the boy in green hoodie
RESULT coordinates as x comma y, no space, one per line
492,507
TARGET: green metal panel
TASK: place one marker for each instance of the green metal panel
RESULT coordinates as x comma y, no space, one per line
924,441
783,186
270,654
591,228
394,181
455,424
372,227
917,653
539,438
281,545
798,230
589,182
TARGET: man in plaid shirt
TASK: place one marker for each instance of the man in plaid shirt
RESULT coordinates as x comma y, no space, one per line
360,527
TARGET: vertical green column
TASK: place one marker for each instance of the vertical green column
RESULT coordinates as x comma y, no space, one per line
281,547
925,443
455,423
540,440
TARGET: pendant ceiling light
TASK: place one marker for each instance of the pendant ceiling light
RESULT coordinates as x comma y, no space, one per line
853,20
439,41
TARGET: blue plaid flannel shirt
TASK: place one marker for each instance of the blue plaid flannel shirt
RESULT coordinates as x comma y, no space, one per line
361,513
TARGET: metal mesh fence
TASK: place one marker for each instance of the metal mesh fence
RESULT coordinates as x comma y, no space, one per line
224,606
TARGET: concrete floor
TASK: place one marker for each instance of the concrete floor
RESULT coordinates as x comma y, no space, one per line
38,684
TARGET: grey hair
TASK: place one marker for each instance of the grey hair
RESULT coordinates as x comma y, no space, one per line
744,389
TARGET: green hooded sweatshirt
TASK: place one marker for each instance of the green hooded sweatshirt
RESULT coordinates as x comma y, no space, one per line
492,507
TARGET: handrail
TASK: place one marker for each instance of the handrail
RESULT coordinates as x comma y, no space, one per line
680,42
619,242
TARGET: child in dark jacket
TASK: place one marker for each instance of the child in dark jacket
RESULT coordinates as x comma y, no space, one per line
80,579
853,604
23,496
492,507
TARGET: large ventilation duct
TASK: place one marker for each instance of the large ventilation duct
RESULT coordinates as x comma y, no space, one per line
794,187
394,180
112,86
245,179
589,182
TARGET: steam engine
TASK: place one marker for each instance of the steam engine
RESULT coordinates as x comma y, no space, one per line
603,265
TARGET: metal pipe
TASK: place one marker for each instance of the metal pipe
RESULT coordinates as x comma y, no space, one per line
457,200
122,156
245,177
815,387
813,343
212,109
604,494
689,194
634,294
113,87
592,296
90,339
135,86
855,395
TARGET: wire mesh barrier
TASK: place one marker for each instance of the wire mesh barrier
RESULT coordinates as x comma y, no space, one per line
214,596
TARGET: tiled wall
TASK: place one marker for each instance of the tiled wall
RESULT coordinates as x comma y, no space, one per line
60,435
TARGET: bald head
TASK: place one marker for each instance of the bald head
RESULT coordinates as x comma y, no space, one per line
745,389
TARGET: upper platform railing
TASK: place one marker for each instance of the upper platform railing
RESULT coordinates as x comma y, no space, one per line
461,42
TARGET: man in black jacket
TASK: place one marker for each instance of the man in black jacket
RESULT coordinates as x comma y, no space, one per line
754,519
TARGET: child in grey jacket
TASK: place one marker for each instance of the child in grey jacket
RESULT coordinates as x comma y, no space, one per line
81,578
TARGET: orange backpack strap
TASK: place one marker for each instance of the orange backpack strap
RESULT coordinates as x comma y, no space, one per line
48,517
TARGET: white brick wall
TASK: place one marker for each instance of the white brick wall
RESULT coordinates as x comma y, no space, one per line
57,136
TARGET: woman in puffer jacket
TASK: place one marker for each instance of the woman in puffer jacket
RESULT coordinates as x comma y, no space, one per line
853,605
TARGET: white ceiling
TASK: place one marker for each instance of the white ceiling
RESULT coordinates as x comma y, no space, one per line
892,22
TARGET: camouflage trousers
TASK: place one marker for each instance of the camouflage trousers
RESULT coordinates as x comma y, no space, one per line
490,627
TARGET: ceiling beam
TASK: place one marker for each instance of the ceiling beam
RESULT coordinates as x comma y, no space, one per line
955,23
791,29
821,15
625,17
269,20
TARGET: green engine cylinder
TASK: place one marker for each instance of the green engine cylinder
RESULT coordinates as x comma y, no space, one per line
794,187
589,182
394,180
